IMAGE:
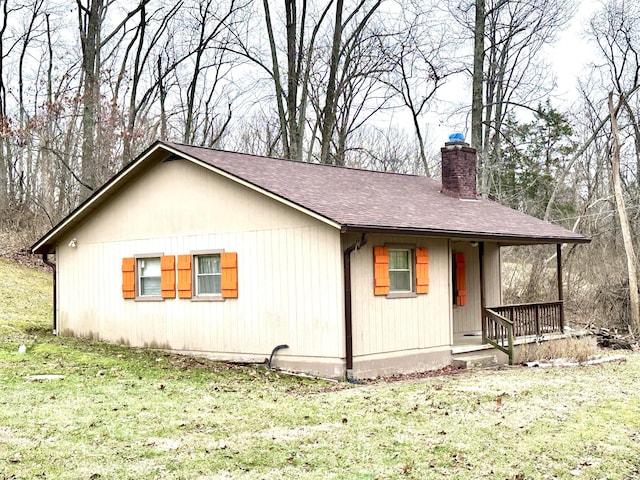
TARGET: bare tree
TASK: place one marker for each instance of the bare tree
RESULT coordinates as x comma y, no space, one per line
91,19
385,150
616,31
290,84
6,176
291,102
316,53
508,38
362,95
342,55
477,100
144,88
213,24
632,260
420,61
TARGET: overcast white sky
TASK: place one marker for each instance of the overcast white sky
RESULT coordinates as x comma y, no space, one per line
572,53
569,59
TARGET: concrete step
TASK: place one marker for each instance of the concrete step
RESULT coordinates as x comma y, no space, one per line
478,360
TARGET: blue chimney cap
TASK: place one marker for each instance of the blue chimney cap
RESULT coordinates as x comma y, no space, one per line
456,137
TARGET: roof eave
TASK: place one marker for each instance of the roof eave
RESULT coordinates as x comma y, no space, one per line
46,244
505,239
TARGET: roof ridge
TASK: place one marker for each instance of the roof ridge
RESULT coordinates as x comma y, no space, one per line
341,198
302,162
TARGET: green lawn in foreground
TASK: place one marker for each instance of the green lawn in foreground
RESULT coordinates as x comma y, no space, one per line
139,414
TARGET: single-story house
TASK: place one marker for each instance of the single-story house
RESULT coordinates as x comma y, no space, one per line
229,255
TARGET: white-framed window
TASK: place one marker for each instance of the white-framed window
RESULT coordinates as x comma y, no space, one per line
149,276
400,270
207,274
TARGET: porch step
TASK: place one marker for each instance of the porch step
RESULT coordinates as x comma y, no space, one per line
484,360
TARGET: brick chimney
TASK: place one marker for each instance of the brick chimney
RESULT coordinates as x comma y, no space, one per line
458,168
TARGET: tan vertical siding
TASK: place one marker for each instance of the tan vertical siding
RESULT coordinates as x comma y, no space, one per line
391,325
493,280
289,270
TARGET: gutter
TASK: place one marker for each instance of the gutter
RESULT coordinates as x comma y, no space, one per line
55,292
502,238
348,314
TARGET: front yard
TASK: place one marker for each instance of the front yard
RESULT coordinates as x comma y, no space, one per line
140,414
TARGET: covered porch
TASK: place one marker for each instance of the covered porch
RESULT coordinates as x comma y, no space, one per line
504,326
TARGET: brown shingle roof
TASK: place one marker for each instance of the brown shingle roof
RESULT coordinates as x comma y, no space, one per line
362,200
351,199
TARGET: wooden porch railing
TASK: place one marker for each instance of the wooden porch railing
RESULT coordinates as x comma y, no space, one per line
504,323
499,332
533,318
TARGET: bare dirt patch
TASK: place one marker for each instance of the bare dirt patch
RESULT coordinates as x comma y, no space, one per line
24,258
401,377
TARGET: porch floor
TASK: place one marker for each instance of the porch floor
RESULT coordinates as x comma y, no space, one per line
472,342
468,342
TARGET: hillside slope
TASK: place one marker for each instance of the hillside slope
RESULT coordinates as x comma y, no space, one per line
26,300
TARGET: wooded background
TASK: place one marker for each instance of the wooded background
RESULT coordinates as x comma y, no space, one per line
86,86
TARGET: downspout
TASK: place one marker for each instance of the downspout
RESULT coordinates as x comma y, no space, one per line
45,259
273,352
347,302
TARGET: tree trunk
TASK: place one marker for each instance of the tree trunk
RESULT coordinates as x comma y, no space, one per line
5,158
329,110
127,153
293,75
636,131
89,22
632,261
420,138
282,115
476,89
162,97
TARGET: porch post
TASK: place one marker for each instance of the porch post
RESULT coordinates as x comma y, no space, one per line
560,292
482,294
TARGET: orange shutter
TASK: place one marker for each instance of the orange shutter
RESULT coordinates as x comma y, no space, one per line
168,276
184,276
380,270
461,281
422,270
129,277
229,268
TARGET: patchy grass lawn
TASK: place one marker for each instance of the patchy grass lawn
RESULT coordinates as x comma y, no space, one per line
25,300
122,413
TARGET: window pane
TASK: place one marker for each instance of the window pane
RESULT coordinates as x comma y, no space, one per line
399,259
149,274
209,264
151,267
208,284
400,281
150,286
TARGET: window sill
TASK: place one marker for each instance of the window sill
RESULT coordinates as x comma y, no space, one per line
216,298
402,295
149,299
